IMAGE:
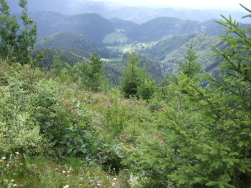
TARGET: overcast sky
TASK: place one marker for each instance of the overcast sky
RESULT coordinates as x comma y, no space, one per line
221,4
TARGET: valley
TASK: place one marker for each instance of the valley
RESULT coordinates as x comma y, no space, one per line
162,40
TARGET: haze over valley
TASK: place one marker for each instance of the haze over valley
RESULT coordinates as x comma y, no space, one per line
159,34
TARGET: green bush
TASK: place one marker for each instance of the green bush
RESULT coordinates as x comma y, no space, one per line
66,122
39,115
17,131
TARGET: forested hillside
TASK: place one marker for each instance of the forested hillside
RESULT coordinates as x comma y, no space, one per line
95,26
170,113
72,40
157,28
170,50
164,40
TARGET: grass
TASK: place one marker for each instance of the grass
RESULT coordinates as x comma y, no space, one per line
122,119
116,123
121,48
42,171
128,47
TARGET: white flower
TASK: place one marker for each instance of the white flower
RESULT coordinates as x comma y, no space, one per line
63,172
66,186
3,158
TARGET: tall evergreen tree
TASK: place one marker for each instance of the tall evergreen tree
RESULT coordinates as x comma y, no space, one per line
16,41
58,66
132,76
8,31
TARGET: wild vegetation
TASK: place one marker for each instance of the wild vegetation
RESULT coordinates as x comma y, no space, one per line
67,126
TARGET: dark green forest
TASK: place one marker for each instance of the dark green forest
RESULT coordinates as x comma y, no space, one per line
126,106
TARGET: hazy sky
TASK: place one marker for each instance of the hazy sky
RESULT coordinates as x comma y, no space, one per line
233,4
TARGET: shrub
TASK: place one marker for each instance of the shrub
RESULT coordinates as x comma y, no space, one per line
17,131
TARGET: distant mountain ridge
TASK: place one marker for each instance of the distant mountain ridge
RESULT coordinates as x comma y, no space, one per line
110,10
157,28
97,27
94,25
123,24
141,15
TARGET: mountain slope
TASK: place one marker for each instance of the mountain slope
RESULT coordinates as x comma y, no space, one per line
167,45
158,28
72,40
155,29
123,24
45,21
170,49
93,25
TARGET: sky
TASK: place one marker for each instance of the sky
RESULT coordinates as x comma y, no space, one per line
205,4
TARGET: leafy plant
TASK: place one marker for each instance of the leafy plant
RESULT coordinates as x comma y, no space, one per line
18,132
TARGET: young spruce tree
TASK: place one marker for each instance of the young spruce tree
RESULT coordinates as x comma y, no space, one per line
91,74
136,82
207,142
